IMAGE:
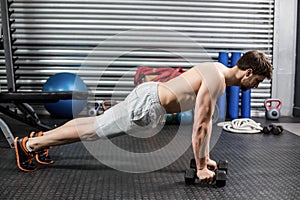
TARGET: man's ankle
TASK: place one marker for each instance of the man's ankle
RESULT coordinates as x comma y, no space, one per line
28,147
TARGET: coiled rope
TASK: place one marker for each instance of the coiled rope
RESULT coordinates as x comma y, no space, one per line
243,125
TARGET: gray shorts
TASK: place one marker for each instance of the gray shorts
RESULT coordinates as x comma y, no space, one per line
140,114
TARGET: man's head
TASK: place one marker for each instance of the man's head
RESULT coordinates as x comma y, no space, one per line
257,67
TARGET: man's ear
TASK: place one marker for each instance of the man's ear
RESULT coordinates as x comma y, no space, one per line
249,72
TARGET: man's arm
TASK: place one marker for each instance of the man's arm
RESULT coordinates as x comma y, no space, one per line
201,132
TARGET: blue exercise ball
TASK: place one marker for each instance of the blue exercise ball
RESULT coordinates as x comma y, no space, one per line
65,82
186,117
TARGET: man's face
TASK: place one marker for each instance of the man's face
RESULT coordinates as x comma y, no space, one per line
251,81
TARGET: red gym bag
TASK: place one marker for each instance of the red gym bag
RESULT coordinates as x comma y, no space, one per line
145,74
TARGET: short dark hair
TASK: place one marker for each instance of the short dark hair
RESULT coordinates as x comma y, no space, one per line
258,62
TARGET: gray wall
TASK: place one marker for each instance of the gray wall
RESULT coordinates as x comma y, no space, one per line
284,54
297,77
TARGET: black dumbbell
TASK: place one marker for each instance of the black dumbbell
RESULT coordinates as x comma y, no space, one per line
190,175
276,130
221,173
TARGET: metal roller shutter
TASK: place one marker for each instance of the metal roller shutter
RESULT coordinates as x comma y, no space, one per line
110,38
3,85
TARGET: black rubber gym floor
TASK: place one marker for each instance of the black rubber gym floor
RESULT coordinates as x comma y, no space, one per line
260,167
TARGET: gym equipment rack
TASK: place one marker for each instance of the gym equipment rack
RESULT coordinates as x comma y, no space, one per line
22,111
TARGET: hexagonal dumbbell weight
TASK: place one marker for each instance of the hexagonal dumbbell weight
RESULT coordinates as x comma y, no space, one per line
190,176
220,174
276,130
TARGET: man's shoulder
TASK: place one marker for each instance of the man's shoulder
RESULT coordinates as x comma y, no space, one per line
208,64
208,68
212,76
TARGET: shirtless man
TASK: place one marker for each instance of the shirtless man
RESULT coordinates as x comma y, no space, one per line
198,89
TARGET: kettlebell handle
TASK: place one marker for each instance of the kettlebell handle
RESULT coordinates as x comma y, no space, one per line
269,101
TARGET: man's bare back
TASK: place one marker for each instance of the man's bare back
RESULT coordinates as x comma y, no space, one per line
179,94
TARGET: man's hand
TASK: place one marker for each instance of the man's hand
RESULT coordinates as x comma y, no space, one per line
205,175
211,164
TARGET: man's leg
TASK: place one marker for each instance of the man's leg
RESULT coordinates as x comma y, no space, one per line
73,131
